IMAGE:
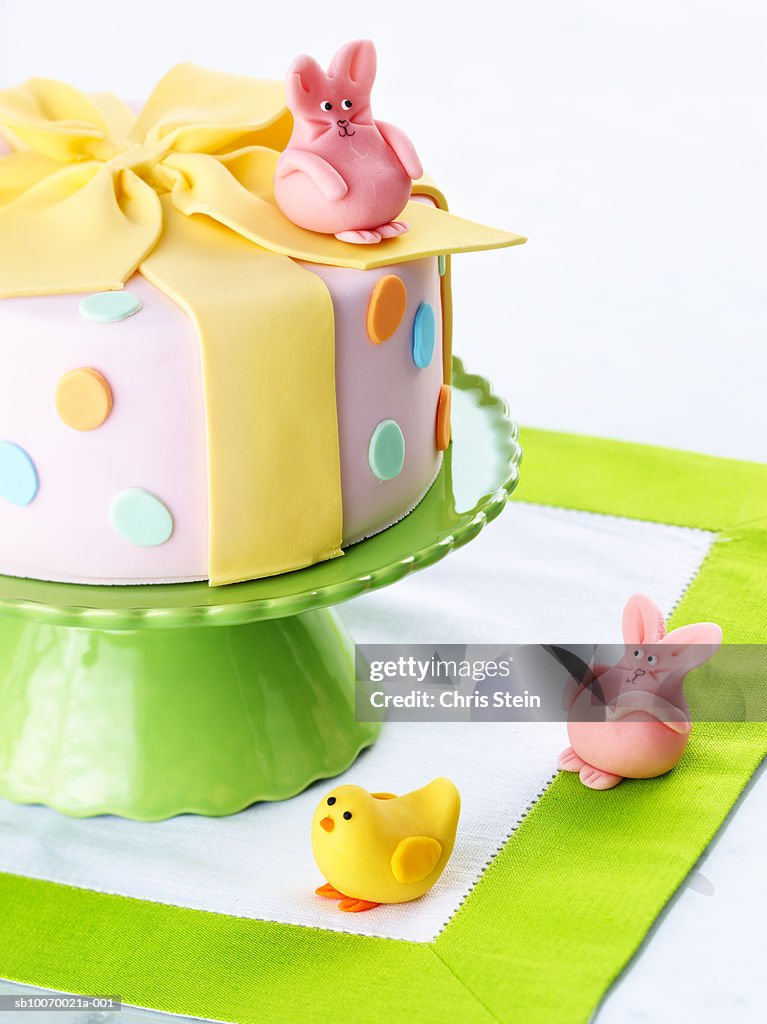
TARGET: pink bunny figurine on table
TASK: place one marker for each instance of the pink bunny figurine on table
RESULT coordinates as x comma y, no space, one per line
343,173
632,720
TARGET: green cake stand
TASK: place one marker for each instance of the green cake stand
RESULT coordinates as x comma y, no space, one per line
151,701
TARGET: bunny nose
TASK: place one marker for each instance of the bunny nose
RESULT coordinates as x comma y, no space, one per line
328,824
342,123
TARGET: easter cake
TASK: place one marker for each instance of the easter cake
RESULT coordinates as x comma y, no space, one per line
229,319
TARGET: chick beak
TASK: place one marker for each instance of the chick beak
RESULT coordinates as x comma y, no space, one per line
328,824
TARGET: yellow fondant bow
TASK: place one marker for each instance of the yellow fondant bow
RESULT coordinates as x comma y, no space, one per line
79,206
90,193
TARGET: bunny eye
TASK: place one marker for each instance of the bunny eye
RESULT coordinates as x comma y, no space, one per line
326,105
651,659
638,653
346,104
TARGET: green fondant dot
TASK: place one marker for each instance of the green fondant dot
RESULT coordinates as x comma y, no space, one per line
107,307
386,453
442,263
140,518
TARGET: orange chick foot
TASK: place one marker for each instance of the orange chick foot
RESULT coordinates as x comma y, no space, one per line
352,906
329,892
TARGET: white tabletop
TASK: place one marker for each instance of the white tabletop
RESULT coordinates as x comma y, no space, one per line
628,142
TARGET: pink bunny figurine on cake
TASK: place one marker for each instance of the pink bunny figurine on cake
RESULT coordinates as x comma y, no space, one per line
632,720
343,173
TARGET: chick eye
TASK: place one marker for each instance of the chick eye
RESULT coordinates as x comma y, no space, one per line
331,801
347,815
651,659
326,105
638,653
346,104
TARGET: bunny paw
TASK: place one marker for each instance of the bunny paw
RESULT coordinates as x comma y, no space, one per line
569,761
396,227
595,778
359,237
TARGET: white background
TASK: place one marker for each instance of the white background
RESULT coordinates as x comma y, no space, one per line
627,140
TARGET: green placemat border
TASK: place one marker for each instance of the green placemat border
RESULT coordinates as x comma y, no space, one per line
563,908
531,943
620,478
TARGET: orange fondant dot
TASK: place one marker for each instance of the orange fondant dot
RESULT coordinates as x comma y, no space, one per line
443,418
386,308
83,398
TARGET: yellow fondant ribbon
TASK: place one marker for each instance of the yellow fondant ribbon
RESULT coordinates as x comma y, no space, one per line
273,461
90,193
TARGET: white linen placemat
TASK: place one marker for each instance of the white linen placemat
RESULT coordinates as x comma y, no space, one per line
258,863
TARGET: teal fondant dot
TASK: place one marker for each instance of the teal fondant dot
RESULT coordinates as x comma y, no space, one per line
107,307
18,476
424,335
386,453
442,264
140,518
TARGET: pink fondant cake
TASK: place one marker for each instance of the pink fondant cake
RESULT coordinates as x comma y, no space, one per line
201,386
153,438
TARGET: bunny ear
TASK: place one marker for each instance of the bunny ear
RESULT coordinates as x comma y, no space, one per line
355,62
695,644
304,76
642,621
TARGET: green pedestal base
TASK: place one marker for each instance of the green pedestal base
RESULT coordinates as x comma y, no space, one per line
149,723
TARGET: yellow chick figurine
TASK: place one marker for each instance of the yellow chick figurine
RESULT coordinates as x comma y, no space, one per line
380,848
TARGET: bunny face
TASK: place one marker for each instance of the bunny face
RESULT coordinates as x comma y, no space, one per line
645,665
337,101
649,668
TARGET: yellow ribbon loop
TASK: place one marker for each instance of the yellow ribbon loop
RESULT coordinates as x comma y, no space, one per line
54,119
